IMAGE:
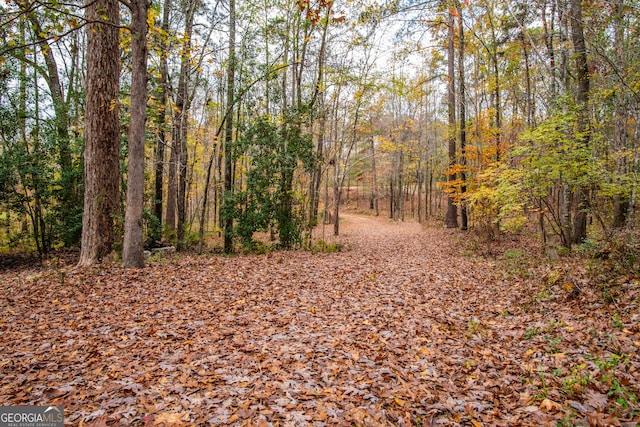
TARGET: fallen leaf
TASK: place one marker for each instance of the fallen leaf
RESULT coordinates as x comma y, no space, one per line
171,418
596,400
550,406
400,401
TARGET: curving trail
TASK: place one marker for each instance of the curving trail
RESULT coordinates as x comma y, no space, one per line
400,329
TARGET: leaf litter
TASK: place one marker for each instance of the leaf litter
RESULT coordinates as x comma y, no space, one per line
401,329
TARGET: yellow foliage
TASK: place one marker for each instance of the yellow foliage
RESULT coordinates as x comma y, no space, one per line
496,200
386,144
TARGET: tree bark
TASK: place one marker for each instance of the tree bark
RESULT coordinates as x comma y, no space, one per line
621,201
582,98
132,250
228,137
463,120
181,122
102,132
162,117
316,177
451,219
374,188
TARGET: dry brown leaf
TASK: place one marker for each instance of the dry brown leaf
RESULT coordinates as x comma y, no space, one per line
171,418
550,406
596,400
597,419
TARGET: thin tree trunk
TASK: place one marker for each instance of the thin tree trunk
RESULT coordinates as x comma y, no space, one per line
228,138
451,220
636,162
162,118
401,185
463,123
582,97
314,185
419,179
374,191
391,197
549,31
69,199
181,123
496,89
318,95
172,187
621,201
337,195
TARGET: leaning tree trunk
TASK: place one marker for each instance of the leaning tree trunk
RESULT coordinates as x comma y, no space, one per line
102,132
132,249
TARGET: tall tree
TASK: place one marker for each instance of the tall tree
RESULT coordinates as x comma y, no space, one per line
175,207
463,120
162,96
69,194
181,122
451,219
582,98
132,250
228,138
102,131
621,201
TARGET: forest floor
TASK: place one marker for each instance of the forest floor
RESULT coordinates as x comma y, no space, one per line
406,325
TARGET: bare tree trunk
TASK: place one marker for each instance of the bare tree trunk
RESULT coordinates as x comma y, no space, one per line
391,197
620,202
337,195
401,185
162,117
172,186
181,123
428,183
564,207
529,105
451,220
102,131
318,96
463,122
132,249
549,31
374,191
326,215
636,162
419,179
228,138
582,97
316,176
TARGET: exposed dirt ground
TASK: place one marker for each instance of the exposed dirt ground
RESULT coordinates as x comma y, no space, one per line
400,328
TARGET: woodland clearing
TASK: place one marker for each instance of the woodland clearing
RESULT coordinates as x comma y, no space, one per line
404,326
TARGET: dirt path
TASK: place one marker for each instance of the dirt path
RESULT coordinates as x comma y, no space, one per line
400,329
